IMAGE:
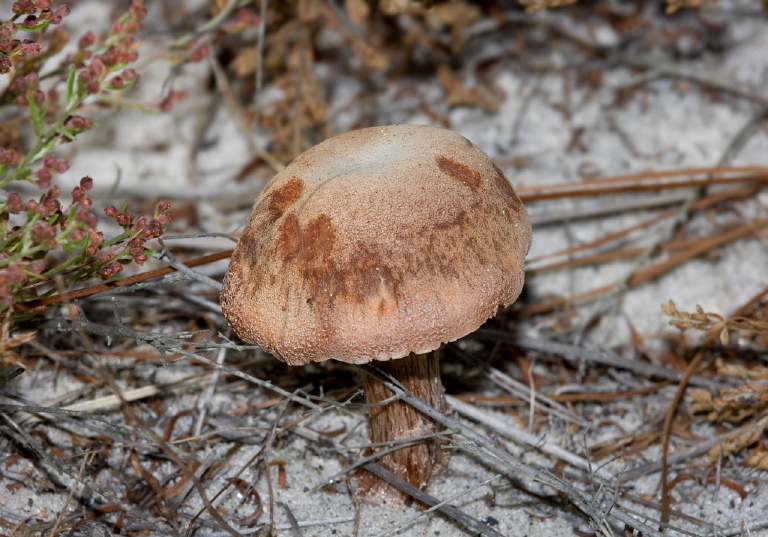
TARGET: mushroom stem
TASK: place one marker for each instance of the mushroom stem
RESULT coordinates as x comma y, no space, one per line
397,421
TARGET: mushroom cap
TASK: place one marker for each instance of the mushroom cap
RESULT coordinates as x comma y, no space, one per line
375,244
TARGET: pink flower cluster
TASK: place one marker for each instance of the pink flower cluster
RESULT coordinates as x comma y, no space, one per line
9,157
30,7
141,229
136,13
50,225
32,229
27,88
26,245
95,68
10,45
246,18
51,165
101,65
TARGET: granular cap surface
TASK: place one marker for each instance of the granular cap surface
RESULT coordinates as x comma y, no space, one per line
375,244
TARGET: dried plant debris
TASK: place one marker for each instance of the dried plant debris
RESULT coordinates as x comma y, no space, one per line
9,344
759,456
674,5
532,6
732,404
745,403
741,371
397,7
713,324
295,46
749,435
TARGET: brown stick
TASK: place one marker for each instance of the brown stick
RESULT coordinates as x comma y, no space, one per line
655,270
81,293
398,421
645,181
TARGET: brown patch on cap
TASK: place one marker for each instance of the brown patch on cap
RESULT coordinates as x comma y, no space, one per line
460,172
504,186
370,246
317,239
289,236
320,275
283,197
363,276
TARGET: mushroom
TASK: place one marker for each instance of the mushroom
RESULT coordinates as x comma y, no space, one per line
380,244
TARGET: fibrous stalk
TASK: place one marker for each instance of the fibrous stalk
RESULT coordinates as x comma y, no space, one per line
397,421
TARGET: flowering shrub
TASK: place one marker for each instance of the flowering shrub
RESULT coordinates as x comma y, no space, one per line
32,230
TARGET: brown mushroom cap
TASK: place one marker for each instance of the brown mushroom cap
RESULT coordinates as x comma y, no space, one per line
375,244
